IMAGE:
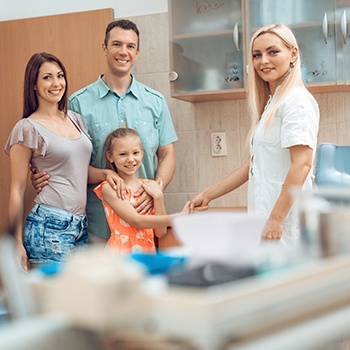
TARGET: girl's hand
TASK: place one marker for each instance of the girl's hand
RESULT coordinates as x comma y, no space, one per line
186,208
152,188
144,203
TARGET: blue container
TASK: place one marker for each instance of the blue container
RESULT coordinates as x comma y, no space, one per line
159,263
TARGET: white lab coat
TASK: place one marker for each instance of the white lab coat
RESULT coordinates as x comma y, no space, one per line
295,123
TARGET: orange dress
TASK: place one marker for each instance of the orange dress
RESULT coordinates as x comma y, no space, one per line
124,238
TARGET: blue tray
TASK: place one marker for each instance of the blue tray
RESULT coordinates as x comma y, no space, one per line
159,263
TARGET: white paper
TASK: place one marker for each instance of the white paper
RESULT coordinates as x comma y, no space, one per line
220,236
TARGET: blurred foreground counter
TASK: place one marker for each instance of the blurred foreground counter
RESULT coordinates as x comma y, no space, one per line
282,309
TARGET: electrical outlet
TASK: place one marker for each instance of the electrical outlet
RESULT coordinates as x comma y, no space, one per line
218,144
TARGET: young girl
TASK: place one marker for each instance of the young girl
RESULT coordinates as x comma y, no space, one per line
130,231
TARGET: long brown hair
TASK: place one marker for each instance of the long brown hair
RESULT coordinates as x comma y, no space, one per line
30,103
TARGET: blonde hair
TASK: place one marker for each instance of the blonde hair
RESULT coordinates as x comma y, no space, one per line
258,89
114,135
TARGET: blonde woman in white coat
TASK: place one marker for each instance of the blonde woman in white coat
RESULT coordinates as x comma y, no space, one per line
283,137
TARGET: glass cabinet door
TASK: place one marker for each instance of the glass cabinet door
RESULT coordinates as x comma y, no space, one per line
207,52
314,25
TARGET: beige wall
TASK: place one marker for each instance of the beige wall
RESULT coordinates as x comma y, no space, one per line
194,122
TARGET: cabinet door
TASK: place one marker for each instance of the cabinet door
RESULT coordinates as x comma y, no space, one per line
342,23
71,37
206,45
313,23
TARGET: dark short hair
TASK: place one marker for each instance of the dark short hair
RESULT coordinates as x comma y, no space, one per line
124,24
30,103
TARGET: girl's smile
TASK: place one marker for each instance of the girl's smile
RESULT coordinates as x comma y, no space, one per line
126,154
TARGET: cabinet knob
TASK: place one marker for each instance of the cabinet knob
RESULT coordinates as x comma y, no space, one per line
173,76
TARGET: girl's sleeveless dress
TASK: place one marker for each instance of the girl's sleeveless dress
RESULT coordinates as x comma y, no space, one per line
124,238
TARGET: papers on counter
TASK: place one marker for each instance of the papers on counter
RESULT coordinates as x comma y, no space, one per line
229,237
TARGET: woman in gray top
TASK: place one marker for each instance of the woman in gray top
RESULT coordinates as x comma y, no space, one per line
50,138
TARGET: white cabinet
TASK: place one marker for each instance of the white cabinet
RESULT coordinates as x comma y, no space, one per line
207,46
209,41
322,30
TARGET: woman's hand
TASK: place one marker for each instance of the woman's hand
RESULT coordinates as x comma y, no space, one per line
22,254
273,229
117,183
198,203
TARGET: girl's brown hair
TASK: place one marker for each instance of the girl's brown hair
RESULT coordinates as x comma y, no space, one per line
114,135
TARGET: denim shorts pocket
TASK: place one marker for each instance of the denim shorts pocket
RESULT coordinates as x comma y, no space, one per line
29,223
33,238
57,224
28,229
58,239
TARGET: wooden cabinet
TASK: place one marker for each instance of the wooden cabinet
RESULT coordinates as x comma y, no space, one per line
209,41
76,38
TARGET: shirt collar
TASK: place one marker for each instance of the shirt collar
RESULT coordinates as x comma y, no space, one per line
104,89
134,87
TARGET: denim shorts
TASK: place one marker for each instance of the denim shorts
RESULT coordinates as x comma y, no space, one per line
52,234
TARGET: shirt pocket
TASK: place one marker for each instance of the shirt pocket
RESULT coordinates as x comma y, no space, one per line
98,132
148,133
271,134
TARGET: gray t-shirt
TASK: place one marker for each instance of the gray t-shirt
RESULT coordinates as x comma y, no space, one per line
66,160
